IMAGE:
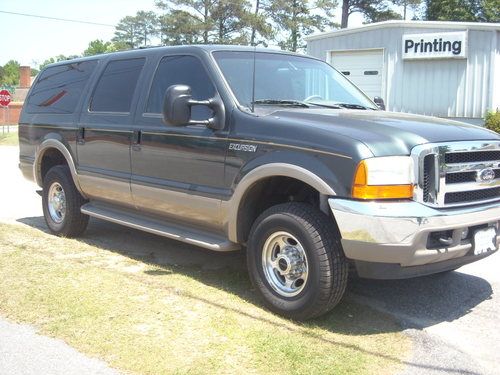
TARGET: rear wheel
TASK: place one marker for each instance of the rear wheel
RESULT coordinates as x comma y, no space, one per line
61,203
296,262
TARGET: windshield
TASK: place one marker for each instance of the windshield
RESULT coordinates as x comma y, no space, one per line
287,79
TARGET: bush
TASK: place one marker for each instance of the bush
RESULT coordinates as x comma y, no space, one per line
492,121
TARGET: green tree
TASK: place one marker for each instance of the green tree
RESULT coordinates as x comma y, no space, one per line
200,12
96,47
57,59
489,11
179,27
128,32
260,30
382,15
450,10
10,73
373,10
405,4
463,10
297,18
147,24
206,21
231,19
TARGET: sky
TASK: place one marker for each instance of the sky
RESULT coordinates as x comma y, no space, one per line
31,41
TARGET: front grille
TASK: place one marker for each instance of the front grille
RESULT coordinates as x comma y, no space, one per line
471,156
428,161
456,178
449,174
471,196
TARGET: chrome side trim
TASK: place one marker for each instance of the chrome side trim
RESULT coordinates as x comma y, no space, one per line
188,235
230,208
37,165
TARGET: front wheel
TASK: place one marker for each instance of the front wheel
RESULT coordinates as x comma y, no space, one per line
296,262
61,203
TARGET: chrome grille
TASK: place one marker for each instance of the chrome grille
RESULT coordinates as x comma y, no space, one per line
449,174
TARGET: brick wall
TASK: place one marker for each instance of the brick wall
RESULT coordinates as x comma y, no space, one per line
10,115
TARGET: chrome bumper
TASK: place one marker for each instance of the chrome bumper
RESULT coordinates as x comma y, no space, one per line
397,232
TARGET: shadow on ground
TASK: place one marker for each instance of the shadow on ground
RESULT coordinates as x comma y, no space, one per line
422,301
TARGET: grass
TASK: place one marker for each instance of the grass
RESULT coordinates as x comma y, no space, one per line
9,139
149,319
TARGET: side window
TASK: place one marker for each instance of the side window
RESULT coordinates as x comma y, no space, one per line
116,86
185,70
59,88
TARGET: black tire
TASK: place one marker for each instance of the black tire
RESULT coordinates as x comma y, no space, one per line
327,266
72,223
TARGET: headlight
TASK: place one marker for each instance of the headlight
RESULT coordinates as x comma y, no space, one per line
387,177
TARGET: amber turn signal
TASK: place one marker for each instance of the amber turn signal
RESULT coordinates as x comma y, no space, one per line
361,189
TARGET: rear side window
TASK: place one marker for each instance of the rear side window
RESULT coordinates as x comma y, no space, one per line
181,70
116,86
59,88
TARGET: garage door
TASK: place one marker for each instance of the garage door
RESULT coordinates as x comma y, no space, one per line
364,68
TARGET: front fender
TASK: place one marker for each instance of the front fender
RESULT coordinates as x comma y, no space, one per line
309,169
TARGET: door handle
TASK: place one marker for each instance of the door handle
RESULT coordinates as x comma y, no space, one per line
136,140
80,136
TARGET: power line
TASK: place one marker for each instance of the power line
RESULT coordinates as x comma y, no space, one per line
57,19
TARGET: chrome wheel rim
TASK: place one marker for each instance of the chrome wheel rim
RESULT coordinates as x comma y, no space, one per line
56,203
284,262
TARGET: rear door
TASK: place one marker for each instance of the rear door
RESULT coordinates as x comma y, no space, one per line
178,171
105,133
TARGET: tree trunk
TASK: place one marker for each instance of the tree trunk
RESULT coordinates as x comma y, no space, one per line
252,38
221,31
294,27
205,19
345,14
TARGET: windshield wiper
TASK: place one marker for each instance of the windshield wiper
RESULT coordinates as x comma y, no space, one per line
292,103
352,106
334,106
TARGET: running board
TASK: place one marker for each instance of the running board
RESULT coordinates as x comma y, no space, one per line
188,235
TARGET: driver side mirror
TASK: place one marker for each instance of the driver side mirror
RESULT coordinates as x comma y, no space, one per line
379,102
177,108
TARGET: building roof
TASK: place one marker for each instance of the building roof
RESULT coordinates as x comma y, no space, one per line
412,24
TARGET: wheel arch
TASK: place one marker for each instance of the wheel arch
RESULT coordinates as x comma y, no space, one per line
54,146
234,208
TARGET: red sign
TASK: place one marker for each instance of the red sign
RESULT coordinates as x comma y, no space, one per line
5,98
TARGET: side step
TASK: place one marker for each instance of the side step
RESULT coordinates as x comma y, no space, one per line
185,234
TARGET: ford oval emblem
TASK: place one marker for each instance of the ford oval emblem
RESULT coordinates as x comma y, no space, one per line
485,175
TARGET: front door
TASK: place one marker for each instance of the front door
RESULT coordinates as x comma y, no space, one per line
178,171
105,134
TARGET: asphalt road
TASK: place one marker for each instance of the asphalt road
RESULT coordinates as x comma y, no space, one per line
452,318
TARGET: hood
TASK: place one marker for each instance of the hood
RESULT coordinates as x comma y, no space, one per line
386,133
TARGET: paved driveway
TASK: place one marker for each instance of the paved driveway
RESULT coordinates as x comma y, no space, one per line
452,318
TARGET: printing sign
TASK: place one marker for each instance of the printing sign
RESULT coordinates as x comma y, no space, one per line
435,46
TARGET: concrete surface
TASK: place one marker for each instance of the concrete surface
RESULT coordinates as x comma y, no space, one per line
452,318
23,352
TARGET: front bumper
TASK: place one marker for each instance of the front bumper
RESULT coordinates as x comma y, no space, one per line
393,235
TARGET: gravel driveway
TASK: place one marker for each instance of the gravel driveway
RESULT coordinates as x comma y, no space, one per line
452,318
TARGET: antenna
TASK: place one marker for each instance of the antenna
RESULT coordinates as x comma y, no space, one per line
253,79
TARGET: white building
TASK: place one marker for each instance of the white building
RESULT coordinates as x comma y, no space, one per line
446,69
